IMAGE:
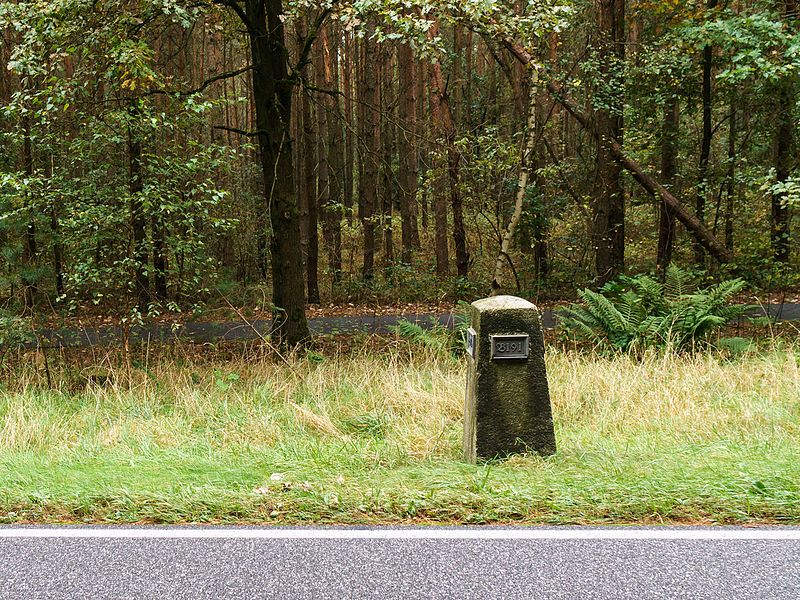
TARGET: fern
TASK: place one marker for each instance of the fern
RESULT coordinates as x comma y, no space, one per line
635,313
437,338
604,310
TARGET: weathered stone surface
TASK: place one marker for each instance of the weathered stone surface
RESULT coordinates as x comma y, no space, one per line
507,407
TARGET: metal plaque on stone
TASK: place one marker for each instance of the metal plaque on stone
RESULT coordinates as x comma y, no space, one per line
471,341
510,347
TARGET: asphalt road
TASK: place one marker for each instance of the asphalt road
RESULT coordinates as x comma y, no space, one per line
241,331
406,563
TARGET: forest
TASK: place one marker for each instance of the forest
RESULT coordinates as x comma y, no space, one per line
162,154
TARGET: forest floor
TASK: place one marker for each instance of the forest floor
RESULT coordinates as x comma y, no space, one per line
372,434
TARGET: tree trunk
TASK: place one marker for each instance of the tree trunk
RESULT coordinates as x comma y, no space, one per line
423,151
666,225
349,144
730,176
315,176
444,125
541,250
29,284
609,205
272,97
524,174
470,65
388,124
315,149
55,231
705,143
442,249
305,154
370,147
331,204
457,73
784,151
407,151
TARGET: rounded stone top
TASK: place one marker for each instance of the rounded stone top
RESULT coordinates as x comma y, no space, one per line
503,303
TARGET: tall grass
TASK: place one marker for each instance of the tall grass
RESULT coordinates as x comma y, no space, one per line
369,437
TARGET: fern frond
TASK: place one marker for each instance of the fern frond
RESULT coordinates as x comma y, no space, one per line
630,307
409,331
651,292
722,293
604,311
677,282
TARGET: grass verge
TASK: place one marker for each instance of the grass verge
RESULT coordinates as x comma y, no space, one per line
366,438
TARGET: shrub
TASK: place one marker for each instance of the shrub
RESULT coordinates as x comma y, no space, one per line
14,330
637,313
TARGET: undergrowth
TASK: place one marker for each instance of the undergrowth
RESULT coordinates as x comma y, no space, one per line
375,437
633,314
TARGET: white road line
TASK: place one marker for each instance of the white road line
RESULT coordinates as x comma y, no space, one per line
754,534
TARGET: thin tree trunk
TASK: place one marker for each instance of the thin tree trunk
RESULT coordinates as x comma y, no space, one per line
306,157
666,225
349,145
316,194
30,287
55,232
456,80
442,249
388,125
609,205
361,120
730,176
315,173
470,65
332,206
407,151
368,187
541,250
442,117
522,186
423,153
784,151
705,143
165,48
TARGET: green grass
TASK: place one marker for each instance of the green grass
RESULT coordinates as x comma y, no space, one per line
377,439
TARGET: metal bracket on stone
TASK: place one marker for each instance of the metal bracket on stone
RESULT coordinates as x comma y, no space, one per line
507,407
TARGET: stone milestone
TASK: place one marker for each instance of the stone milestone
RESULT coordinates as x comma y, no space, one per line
507,407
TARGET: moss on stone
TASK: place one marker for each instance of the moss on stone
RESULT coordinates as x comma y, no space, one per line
507,407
